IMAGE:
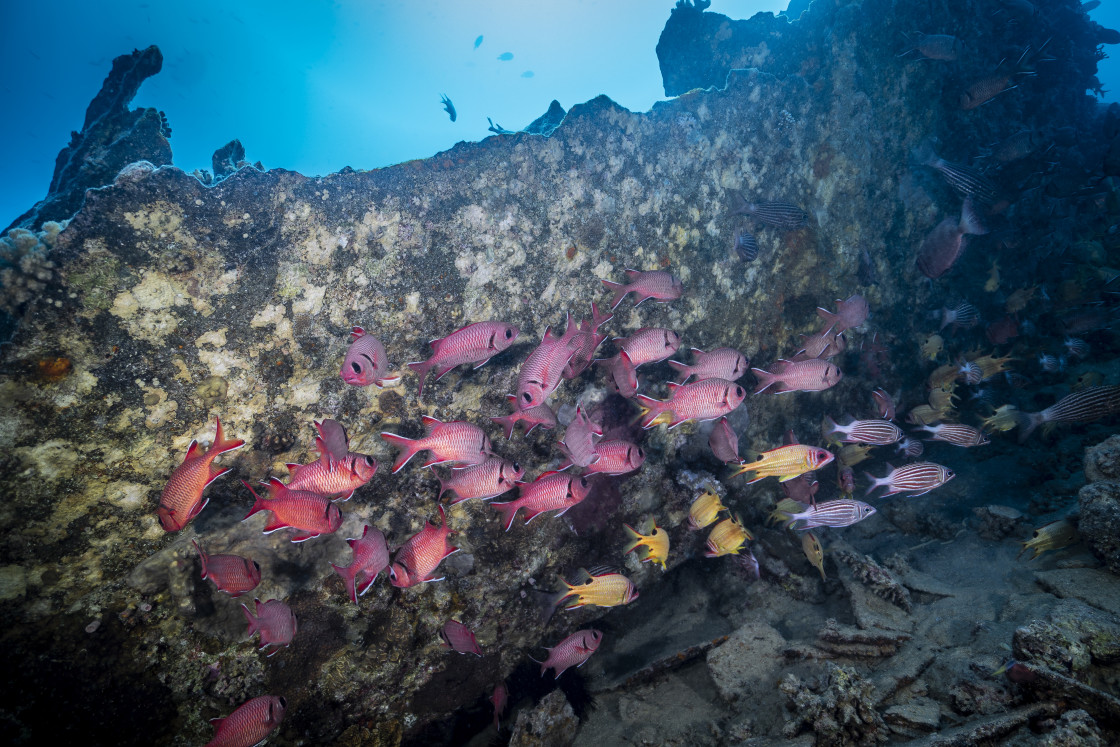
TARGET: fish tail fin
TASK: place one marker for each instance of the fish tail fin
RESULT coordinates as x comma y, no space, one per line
971,222
784,511
1028,422
221,443
508,510
598,319
682,369
651,410
765,379
407,447
507,422
876,482
829,429
251,619
201,556
348,579
421,369
635,539
259,504
619,292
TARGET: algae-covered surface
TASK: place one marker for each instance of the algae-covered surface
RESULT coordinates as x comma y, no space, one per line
168,300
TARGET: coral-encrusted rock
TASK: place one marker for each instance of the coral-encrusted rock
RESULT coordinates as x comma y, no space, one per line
1075,638
551,723
839,713
1099,522
1102,462
744,668
1075,729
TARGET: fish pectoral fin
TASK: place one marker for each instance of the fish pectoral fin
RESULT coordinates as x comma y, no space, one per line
480,365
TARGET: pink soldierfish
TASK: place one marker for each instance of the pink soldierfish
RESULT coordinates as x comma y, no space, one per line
366,362
658,285
573,651
801,376
587,341
541,415
250,724
349,474
946,242
232,574
181,499
722,363
616,458
884,404
724,443
419,557
850,313
458,637
623,375
476,343
310,513
919,476
552,491
579,440
498,699
649,345
485,481
544,368
825,344
457,441
700,400
275,621
371,556
874,432
332,442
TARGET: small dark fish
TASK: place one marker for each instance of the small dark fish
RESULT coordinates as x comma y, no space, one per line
984,90
497,129
1016,147
946,242
505,56
746,245
527,74
964,315
776,214
967,181
448,106
478,42
935,47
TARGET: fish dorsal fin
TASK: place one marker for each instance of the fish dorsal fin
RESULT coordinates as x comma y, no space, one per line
602,570
548,474
430,423
193,451
276,489
673,387
436,344
356,333
633,275
582,576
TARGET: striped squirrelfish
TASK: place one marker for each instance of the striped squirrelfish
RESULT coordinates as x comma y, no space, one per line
487,480
573,651
652,547
775,214
705,510
813,375
552,491
250,723
722,363
181,499
475,343
727,538
456,441
371,556
842,512
957,434
232,574
310,513
962,316
657,284
417,560
1083,406
784,462
874,432
700,400
921,477
366,362
600,587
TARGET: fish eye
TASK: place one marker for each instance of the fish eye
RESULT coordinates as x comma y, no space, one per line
283,703
257,566
516,467
528,397
509,333
641,454
583,482
354,365
739,391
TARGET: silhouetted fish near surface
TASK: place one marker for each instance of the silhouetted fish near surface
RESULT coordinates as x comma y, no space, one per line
776,214
448,106
478,41
505,56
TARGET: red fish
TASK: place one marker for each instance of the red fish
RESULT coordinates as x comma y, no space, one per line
945,244
846,480
724,443
487,480
623,375
552,491
825,344
616,458
332,442
658,285
573,651
586,341
542,371
275,621
884,404
919,476
419,557
366,362
250,723
541,415
700,400
579,440
475,343
232,574
722,363
498,699
875,432
850,313
649,345
310,513
338,471
181,499
457,441
458,637
371,556
801,376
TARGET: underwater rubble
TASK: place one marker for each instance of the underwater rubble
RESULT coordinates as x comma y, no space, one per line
145,302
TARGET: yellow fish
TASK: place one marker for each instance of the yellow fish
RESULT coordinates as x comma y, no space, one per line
853,454
993,279
943,375
813,551
943,399
1052,536
601,587
784,462
727,538
923,415
932,346
990,366
1087,379
1004,419
652,547
705,510
1018,300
